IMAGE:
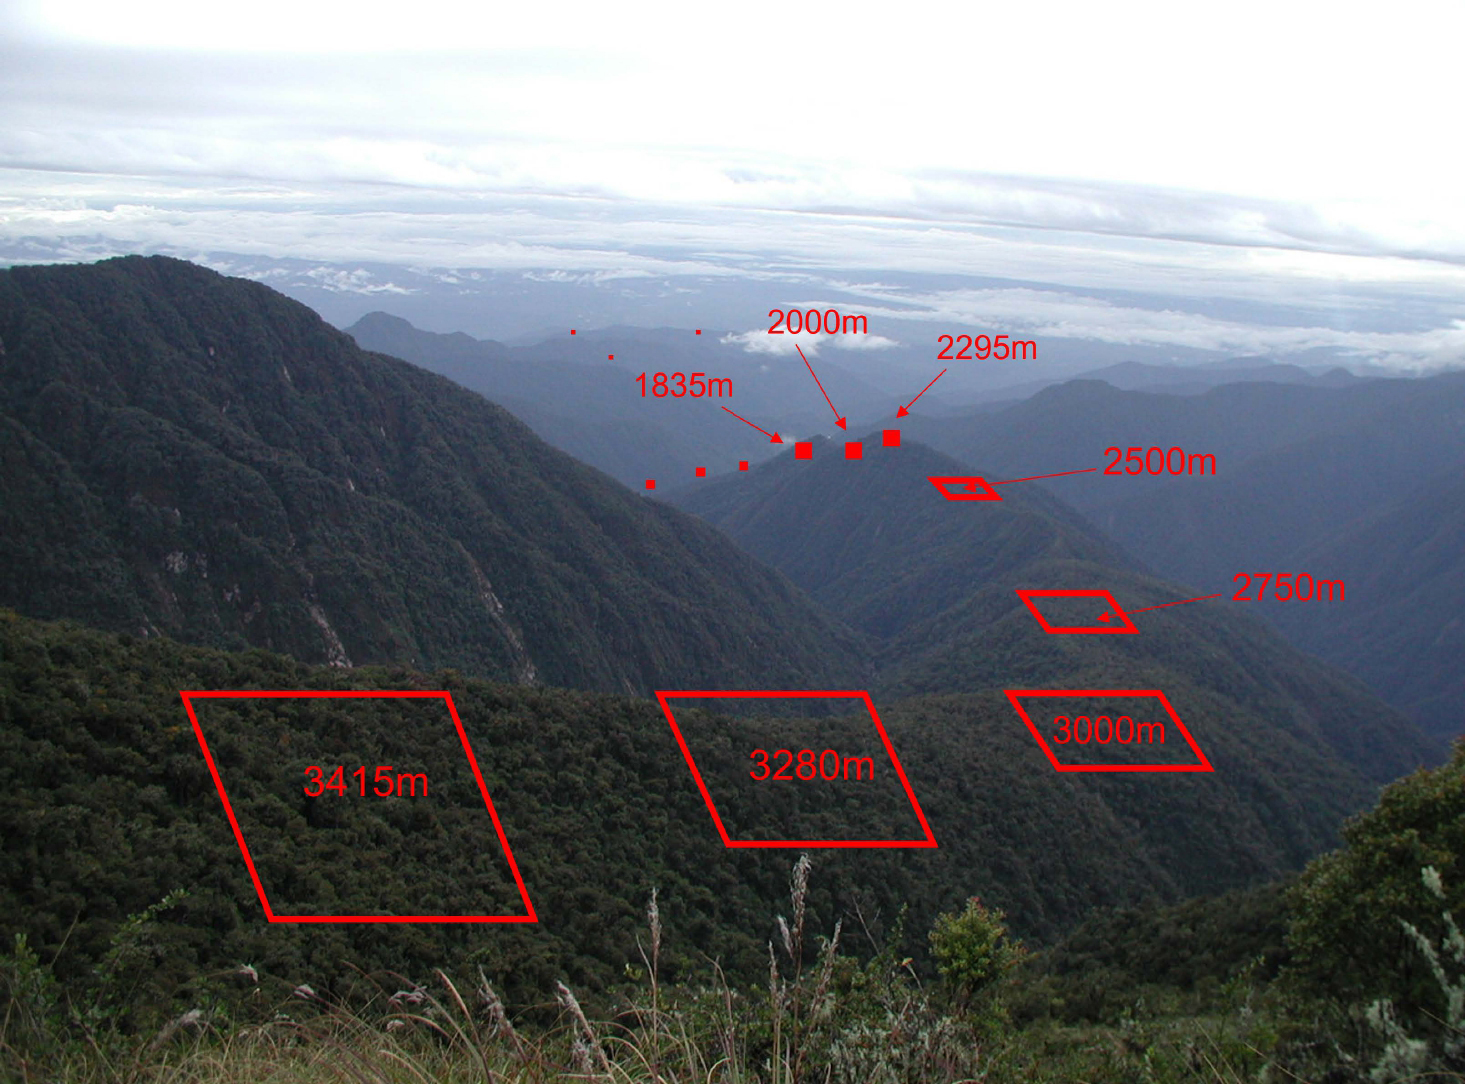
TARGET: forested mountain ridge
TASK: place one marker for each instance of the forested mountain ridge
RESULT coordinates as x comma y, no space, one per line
1357,484
933,581
107,805
1401,627
197,455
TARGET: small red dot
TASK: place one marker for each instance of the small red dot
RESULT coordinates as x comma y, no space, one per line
742,464
610,357
699,331
651,483
701,472
572,331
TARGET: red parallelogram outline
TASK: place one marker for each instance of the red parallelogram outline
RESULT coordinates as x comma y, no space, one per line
1204,765
968,482
189,695
1127,628
927,841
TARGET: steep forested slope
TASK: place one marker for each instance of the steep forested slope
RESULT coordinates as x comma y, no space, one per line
197,455
1371,501
935,581
1358,484
873,540
1402,625
1271,500
106,806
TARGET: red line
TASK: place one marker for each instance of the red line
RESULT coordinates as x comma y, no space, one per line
815,375
402,918
395,694
270,914
924,390
1034,478
664,697
1162,605
740,418
492,812
692,763
906,783
259,888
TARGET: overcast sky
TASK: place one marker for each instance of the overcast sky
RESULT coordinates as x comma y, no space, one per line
1305,154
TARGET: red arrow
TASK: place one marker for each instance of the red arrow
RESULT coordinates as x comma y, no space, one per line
903,411
837,419
1182,602
776,438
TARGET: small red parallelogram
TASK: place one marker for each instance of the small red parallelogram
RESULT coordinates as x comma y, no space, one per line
964,487
1122,624
928,840
1016,696
414,694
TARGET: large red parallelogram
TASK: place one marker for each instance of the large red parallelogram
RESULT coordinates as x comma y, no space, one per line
665,697
189,696
1016,696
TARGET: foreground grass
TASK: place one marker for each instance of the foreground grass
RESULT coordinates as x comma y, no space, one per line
699,1037
822,1017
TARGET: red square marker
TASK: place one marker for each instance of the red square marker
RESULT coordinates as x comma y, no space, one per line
651,483
572,331
742,464
803,449
853,449
699,331
610,357
701,472
891,438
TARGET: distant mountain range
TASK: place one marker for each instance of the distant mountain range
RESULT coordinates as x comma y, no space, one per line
583,402
1182,379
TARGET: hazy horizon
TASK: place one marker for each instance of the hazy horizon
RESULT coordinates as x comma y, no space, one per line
1124,183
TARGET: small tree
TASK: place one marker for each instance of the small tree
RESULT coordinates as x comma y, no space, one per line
1347,933
973,951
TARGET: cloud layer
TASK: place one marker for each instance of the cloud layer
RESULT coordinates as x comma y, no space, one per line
1139,174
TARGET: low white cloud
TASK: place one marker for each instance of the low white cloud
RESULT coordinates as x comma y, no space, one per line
359,281
589,278
862,342
761,341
